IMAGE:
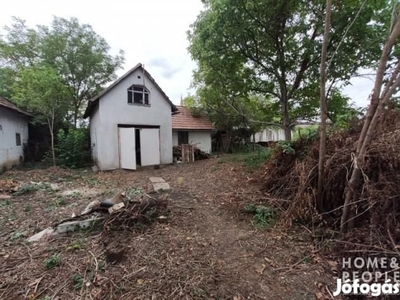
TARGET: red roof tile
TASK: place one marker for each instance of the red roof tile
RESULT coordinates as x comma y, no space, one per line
186,121
6,103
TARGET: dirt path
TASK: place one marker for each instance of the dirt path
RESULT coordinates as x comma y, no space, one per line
206,249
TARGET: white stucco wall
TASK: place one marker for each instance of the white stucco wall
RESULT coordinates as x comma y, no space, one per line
94,136
175,138
201,139
268,135
114,109
12,123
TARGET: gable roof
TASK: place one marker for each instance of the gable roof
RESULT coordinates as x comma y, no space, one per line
93,102
8,104
185,120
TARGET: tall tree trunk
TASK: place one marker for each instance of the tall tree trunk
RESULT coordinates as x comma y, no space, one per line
323,108
375,110
286,119
51,129
75,116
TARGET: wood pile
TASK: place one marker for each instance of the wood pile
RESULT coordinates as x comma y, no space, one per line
198,154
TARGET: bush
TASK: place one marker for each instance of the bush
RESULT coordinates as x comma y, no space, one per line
73,148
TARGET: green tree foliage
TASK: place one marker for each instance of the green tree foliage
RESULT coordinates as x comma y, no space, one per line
73,148
79,55
272,48
41,91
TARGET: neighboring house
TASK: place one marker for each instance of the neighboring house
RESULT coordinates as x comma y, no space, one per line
277,134
268,135
13,134
130,123
188,128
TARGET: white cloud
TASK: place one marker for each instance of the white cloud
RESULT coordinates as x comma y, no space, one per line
152,32
148,31
360,88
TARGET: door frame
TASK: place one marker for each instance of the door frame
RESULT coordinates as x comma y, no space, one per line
137,126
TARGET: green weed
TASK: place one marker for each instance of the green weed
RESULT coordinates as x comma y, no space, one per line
17,235
52,262
263,216
77,280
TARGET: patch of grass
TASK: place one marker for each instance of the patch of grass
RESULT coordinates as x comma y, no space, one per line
27,208
74,246
93,181
52,262
77,281
33,187
180,181
253,158
26,189
5,203
263,216
12,217
17,235
133,191
76,195
61,201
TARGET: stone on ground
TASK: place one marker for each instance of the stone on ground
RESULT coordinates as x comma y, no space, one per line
159,184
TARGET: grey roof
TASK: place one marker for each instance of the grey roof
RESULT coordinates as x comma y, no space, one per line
93,102
8,104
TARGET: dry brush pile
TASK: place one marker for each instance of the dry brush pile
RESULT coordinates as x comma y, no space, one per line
292,176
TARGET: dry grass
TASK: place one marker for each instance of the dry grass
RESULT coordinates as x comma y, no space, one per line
206,248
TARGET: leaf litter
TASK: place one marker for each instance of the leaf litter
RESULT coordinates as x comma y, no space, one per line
198,244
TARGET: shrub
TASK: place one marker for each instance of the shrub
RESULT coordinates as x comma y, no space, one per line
73,148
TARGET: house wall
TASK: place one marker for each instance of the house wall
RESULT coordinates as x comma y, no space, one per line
175,138
10,124
94,136
114,109
201,139
268,135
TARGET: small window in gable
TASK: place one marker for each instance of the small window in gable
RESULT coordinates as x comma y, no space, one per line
18,139
138,95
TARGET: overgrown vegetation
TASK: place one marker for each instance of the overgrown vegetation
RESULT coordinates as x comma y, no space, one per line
73,148
252,156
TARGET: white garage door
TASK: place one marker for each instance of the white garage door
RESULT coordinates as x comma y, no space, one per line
127,151
150,146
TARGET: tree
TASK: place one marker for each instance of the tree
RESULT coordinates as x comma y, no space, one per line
384,88
323,106
75,51
273,48
41,91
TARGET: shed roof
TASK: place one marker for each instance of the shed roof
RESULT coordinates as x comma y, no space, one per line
8,104
92,102
185,120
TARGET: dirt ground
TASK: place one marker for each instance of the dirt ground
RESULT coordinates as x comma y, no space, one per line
206,248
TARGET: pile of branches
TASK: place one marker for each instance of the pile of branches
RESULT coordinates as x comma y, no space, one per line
198,153
136,214
292,176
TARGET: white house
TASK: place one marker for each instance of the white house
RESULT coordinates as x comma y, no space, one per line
13,134
130,123
268,135
188,128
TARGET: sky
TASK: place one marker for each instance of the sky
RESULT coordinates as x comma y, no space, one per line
152,32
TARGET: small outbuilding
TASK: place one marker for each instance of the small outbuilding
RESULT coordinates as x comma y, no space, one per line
13,134
131,123
192,128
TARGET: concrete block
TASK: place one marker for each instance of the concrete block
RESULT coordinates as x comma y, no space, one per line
76,225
